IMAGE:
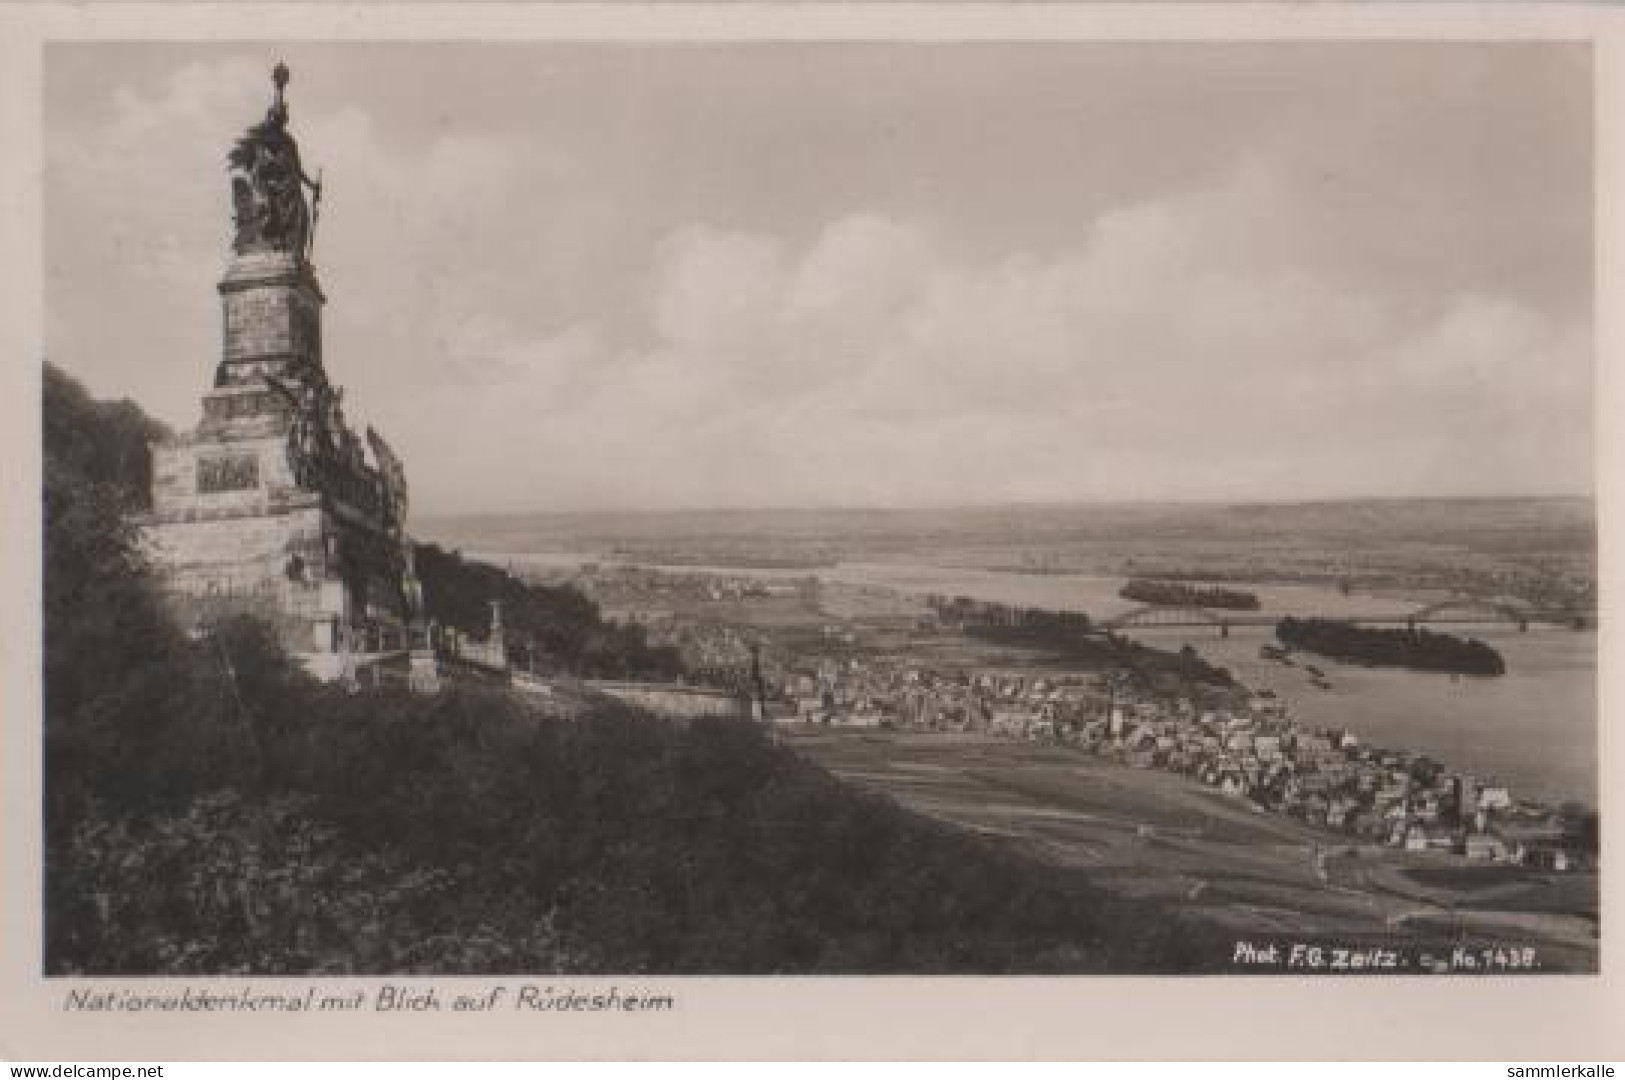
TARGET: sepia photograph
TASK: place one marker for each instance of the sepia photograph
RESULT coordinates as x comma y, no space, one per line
634,509
849,509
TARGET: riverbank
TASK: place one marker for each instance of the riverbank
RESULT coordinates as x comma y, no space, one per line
1534,727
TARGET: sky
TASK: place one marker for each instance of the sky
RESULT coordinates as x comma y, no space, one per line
568,277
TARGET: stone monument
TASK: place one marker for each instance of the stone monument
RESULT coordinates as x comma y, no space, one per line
271,505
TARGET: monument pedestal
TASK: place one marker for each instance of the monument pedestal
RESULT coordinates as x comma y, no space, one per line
268,507
271,306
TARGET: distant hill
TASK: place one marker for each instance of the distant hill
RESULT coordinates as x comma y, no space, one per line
1541,547
1456,520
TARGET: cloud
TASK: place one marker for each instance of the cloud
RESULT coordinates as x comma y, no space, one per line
872,365
522,347
120,264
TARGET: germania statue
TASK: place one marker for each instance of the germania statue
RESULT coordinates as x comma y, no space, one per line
268,185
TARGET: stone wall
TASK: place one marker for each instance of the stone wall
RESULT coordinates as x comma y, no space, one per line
674,700
268,564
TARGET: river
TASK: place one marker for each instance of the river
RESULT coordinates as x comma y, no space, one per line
1534,728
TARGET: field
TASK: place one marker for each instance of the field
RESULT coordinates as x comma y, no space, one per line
1144,833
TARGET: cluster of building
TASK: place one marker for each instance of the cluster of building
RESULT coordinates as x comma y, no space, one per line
651,596
626,582
1255,752
1242,742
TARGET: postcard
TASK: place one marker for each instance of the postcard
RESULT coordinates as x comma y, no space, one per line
811,531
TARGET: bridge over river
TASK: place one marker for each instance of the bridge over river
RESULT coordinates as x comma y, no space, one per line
1458,612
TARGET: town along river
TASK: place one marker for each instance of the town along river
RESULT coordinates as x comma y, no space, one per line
1534,728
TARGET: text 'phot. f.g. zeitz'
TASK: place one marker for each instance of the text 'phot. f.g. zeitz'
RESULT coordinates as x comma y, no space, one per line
817,577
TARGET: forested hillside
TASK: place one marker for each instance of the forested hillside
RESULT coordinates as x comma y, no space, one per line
554,628
211,810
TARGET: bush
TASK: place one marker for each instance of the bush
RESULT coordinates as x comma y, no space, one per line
1421,650
557,627
236,887
461,833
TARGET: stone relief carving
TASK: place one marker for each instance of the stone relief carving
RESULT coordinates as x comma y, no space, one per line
236,473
